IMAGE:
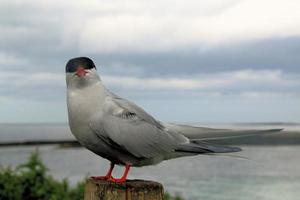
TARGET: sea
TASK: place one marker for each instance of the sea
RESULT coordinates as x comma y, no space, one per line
260,172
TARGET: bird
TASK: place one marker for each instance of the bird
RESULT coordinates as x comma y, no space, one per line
125,134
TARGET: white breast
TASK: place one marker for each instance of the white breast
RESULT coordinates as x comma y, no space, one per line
82,105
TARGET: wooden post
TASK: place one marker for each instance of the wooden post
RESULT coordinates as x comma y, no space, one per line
130,190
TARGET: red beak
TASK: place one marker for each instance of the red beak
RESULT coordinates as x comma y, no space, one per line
80,72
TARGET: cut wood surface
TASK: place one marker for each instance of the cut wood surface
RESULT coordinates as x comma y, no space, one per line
130,190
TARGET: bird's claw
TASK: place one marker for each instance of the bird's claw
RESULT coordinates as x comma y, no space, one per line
117,180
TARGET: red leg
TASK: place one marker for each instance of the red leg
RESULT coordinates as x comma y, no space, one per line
123,178
108,175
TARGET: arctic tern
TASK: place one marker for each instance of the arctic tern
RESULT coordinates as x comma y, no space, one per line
122,132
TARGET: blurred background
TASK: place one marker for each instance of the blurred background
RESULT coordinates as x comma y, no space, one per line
221,63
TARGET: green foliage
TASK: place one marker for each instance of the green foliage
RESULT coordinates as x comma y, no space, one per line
77,192
30,181
10,185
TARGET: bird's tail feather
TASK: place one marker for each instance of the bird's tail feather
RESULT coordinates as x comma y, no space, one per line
233,156
195,133
239,134
205,148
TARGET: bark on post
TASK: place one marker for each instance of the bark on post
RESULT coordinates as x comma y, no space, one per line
130,190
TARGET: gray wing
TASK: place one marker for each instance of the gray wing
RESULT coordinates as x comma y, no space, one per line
131,107
133,130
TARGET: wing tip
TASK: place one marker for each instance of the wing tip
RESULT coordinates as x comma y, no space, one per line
235,149
227,149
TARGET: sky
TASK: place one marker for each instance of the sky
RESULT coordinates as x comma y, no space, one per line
218,61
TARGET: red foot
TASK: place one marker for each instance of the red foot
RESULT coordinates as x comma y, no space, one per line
123,178
107,176
117,180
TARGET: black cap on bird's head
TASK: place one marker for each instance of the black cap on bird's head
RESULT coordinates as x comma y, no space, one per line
79,65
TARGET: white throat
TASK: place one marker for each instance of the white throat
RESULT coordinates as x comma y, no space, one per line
84,96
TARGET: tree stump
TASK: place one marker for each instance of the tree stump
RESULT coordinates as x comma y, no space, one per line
130,190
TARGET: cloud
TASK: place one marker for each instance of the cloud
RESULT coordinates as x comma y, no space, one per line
10,60
145,50
47,85
168,36
19,79
269,95
142,26
146,29
38,86
213,81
